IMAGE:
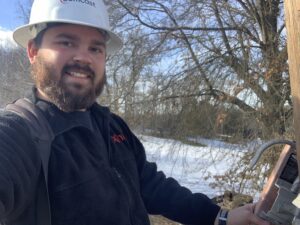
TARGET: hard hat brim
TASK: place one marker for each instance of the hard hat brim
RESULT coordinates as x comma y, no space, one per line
22,35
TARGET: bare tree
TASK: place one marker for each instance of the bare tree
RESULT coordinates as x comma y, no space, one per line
14,75
227,51
23,8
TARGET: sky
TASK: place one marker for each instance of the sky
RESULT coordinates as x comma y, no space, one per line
9,21
9,14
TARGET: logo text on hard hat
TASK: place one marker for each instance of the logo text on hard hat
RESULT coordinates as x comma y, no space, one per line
88,2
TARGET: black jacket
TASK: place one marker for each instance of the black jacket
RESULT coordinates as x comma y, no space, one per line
113,186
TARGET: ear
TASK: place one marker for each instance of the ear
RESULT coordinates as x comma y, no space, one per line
32,51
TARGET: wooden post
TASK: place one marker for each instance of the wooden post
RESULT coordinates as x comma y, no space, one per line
292,21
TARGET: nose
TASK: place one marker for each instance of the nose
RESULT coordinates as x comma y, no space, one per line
82,56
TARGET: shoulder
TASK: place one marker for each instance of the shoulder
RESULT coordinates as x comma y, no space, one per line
115,120
16,141
119,120
10,119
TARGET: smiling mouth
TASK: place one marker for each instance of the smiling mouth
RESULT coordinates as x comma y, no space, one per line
79,75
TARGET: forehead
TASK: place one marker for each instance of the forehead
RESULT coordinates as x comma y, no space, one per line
79,32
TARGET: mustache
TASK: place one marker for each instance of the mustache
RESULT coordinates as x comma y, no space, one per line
85,69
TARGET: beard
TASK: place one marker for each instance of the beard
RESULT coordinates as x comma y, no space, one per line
67,96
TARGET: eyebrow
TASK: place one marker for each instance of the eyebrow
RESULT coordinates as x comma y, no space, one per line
75,38
67,36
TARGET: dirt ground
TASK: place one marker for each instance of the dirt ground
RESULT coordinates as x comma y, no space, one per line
159,220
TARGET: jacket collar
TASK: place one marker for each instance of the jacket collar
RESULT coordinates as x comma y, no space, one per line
61,121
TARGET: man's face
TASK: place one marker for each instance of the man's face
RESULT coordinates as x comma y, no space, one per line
69,66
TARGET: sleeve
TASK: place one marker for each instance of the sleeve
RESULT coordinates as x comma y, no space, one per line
19,166
165,196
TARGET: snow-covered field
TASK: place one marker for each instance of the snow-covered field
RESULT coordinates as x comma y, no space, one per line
191,164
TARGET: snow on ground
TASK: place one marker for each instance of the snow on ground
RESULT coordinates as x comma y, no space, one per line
190,164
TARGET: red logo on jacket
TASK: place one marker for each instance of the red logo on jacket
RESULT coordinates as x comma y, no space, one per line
118,138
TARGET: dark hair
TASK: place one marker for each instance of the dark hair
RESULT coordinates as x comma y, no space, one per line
39,38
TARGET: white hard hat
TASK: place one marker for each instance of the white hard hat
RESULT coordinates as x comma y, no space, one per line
92,13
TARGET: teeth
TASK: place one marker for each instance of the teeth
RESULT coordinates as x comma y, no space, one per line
81,75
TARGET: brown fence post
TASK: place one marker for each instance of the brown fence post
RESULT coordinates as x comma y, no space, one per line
292,21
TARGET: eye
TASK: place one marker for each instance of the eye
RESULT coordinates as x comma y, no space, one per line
66,43
97,50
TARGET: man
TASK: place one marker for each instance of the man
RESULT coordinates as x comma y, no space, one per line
97,171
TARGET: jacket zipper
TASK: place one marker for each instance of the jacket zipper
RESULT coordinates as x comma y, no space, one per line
118,174
126,191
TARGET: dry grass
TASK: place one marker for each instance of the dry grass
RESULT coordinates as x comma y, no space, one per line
160,220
